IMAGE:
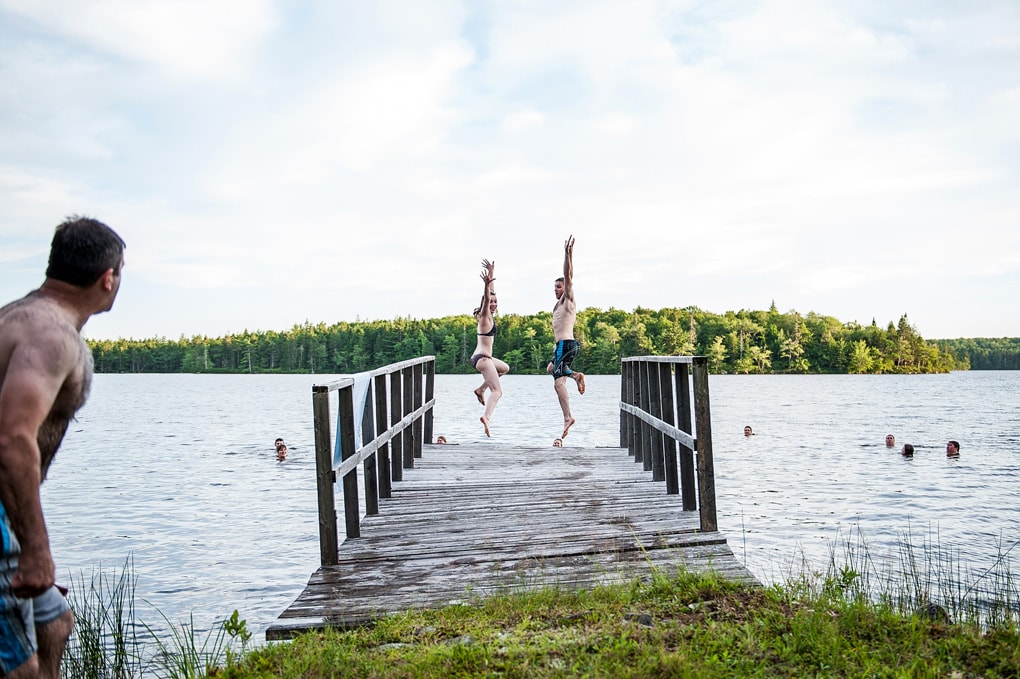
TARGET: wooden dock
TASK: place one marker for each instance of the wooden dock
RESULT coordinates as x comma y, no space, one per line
468,520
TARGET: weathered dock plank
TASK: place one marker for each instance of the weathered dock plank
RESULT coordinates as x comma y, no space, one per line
473,520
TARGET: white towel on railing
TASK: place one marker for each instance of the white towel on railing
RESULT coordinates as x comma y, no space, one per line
362,381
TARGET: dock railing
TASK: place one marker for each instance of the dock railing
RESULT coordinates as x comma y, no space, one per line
394,421
656,409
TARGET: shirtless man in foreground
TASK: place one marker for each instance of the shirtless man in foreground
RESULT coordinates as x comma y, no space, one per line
45,373
563,317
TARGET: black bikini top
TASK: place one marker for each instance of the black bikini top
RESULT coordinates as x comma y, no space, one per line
491,333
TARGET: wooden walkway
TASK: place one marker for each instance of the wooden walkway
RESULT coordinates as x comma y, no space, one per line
473,519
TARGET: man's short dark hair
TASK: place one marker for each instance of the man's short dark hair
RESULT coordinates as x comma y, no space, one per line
561,279
908,449
82,249
956,444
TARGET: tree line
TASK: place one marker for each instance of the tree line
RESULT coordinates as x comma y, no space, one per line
992,353
735,342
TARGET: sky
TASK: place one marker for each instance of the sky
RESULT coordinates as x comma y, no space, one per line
276,163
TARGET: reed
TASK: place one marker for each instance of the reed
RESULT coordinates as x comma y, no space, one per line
925,577
108,641
104,642
186,654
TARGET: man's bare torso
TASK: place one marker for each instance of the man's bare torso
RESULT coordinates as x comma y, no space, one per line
50,330
563,317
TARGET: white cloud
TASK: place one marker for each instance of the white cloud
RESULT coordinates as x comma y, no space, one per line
522,120
190,39
385,116
360,159
614,124
510,174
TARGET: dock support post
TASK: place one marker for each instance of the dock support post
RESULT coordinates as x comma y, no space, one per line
397,442
655,409
407,377
625,417
385,475
706,466
352,514
430,392
643,454
370,464
669,445
687,477
419,387
328,539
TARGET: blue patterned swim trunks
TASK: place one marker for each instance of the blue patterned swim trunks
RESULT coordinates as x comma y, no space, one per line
19,617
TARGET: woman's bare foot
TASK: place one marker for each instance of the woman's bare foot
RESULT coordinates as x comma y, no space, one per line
567,424
485,423
580,382
480,393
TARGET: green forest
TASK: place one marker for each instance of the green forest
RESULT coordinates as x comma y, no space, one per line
762,342
997,353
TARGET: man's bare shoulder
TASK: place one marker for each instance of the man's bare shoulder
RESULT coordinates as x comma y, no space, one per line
36,313
38,330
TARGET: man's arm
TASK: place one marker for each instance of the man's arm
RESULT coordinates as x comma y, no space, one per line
36,371
568,269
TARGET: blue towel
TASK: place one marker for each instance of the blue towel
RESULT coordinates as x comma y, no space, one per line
362,381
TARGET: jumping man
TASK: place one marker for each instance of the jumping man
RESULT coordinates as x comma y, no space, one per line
563,317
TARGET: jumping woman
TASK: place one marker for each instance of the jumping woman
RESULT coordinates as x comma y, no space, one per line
482,360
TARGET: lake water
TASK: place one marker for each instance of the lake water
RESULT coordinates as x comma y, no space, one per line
179,472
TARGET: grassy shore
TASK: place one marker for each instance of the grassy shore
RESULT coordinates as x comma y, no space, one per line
681,625
921,615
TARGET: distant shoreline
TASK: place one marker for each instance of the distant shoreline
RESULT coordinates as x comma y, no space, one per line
743,342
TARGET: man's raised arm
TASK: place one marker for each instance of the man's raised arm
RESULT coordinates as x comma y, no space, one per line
568,269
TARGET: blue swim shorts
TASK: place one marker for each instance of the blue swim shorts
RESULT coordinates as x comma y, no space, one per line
566,351
20,617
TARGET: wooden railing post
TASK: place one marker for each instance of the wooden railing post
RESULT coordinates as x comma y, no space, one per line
668,444
635,424
379,392
644,441
683,393
430,391
625,417
352,513
706,466
324,478
370,465
419,389
655,409
407,378
397,442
